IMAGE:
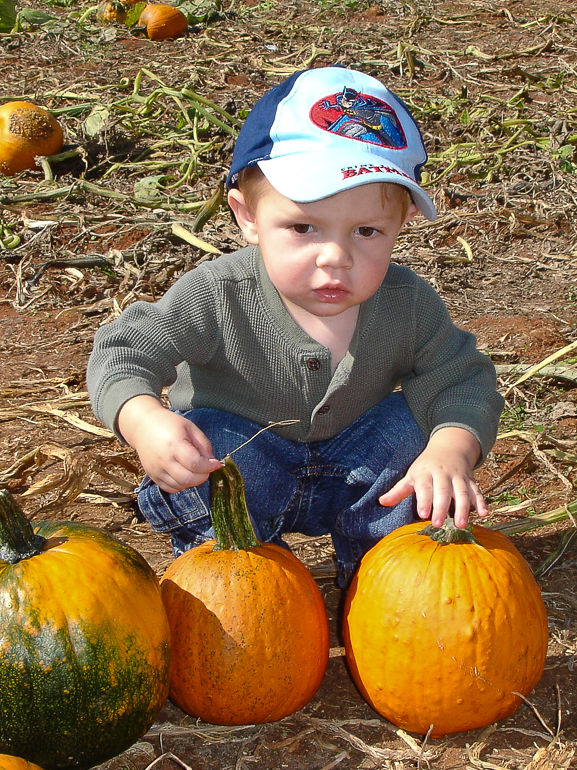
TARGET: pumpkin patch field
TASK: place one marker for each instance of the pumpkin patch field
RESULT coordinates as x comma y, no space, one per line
116,189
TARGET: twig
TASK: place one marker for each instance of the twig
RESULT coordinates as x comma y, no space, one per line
262,430
534,522
568,374
538,367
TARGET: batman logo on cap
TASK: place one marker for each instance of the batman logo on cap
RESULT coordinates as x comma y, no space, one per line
359,116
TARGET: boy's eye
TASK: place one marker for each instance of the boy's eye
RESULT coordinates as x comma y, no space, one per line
302,229
366,232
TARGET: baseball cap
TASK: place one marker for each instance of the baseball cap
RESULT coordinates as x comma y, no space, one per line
326,130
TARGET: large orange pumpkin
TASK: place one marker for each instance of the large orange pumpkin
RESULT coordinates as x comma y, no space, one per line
249,629
443,627
26,131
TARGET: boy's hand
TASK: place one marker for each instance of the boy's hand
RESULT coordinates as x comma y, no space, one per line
443,473
173,451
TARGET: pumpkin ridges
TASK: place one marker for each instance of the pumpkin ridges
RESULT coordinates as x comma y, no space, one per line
249,629
62,559
396,582
234,664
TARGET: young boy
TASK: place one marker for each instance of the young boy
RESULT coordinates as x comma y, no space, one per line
311,324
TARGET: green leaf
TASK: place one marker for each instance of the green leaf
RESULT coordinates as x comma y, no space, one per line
7,15
148,186
199,11
34,17
134,14
95,123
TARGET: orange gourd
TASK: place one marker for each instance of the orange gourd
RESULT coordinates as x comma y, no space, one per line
8,762
443,627
26,131
163,21
111,11
248,625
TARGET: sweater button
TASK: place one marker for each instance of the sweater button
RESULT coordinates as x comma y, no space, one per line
314,364
324,409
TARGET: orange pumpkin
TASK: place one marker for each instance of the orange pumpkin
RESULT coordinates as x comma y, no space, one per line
7,762
249,630
25,132
163,21
444,627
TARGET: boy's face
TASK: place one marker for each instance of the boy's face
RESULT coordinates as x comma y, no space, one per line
326,256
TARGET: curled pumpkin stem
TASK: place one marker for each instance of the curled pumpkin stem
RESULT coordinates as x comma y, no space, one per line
18,541
232,525
449,533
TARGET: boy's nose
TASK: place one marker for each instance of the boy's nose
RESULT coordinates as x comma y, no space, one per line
334,254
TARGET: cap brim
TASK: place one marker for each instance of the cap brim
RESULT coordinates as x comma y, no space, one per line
306,177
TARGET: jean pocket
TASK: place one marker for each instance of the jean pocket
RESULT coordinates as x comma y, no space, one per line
166,512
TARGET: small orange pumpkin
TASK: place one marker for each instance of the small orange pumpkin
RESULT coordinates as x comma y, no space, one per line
26,130
444,627
249,630
163,21
8,762
111,11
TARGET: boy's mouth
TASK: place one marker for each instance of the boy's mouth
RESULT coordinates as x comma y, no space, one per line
331,293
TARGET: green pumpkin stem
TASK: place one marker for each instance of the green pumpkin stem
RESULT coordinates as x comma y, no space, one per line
18,540
449,533
232,526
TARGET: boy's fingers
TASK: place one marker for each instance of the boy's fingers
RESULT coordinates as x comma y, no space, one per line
463,501
398,492
434,499
442,498
480,504
182,475
199,440
192,460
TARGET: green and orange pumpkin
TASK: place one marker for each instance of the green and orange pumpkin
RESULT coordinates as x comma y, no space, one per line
84,642
445,629
111,11
249,629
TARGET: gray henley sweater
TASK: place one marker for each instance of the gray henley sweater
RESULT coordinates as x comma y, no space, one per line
221,337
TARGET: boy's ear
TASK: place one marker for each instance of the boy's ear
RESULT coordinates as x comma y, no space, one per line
411,211
243,216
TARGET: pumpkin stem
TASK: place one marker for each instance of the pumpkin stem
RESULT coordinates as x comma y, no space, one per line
449,533
18,540
232,525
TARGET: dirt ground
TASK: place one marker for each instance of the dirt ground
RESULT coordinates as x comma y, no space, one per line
493,85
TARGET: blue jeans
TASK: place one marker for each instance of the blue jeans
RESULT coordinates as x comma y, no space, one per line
323,487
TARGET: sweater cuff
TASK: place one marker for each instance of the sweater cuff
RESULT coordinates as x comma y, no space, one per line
477,421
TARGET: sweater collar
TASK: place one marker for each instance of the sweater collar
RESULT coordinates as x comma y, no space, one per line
273,302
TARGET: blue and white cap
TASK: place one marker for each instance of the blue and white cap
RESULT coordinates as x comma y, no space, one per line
326,130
